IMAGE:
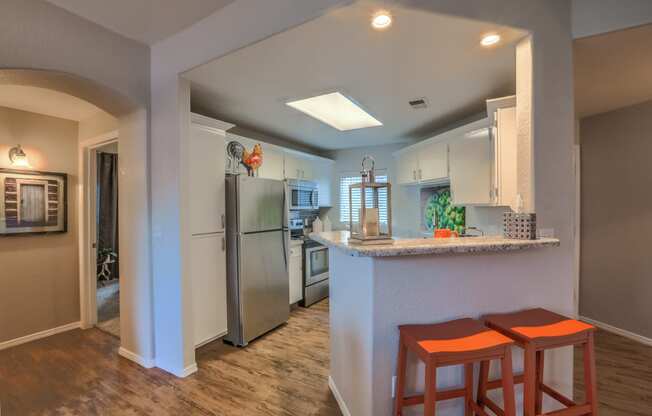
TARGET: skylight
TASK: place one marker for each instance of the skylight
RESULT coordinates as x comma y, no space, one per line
337,111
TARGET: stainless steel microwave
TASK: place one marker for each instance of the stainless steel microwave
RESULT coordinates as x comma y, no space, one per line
303,195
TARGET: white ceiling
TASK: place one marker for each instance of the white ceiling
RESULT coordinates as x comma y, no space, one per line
48,102
422,54
613,70
146,21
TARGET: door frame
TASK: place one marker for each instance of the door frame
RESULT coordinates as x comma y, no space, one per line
87,174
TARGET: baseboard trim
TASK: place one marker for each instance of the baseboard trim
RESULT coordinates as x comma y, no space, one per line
142,361
38,335
618,331
338,397
191,369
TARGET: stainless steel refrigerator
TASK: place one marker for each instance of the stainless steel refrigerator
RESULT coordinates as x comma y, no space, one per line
257,257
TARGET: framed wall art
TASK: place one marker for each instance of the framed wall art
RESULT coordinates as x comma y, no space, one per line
33,202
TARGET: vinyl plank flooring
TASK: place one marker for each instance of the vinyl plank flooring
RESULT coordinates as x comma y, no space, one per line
624,369
284,373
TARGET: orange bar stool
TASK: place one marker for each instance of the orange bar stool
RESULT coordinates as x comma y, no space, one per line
460,342
537,330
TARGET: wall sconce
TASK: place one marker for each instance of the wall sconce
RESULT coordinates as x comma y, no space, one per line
18,157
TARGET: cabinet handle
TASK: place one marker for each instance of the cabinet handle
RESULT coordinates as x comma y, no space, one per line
420,174
223,243
414,175
222,220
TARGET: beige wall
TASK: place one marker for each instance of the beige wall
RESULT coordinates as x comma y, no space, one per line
615,283
39,273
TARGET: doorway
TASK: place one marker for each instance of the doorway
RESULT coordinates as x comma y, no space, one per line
107,250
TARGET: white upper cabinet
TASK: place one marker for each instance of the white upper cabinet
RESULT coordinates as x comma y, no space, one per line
206,145
407,166
471,164
433,162
505,144
272,167
323,175
297,167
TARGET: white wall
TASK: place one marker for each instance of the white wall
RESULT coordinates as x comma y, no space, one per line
111,72
591,17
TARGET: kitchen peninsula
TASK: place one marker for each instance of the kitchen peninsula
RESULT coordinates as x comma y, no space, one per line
376,288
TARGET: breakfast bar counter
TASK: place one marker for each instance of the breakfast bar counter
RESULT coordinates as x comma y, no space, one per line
374,289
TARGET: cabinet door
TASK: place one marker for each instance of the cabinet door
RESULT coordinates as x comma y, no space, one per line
506,157
272,167
306,166
296,275
207,185
406,167
471,164
323,175
208,287
433,162
292,167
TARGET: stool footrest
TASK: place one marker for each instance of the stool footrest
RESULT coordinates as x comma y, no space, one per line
498,384
485,401
557,395
440,395
478,410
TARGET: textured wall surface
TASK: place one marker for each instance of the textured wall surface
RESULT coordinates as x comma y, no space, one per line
615,284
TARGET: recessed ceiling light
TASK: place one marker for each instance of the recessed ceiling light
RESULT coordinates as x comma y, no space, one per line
336,110
381,20
491,39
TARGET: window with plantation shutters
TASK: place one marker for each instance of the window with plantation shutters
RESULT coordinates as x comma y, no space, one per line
347,180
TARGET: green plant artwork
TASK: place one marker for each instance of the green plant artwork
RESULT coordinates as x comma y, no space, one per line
437,210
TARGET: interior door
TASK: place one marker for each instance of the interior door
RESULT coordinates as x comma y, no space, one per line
261,204
264,283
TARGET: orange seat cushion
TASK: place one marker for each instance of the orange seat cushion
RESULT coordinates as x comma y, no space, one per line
480,341
557,329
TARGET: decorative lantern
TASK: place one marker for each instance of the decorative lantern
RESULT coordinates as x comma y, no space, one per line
367,226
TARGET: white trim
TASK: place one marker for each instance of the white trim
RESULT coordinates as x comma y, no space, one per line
211,339
39,335
87,284
338,397
142,361
191,369
618,331
217,126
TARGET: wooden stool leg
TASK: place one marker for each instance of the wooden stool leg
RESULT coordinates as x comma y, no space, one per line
509,405
431,389
529,382
590,377
539,400
400,377
468,398
482,382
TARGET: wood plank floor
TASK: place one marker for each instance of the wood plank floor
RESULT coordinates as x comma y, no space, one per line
284,373
79,373
624,376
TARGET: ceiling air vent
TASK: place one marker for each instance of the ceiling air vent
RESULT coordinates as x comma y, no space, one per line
418,103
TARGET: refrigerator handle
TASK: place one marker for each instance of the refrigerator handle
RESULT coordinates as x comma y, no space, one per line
284,228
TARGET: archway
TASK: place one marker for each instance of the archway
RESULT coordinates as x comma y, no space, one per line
134,231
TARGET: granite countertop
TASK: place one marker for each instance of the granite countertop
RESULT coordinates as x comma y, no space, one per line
429,246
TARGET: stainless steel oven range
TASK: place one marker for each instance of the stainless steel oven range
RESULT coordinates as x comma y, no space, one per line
315,272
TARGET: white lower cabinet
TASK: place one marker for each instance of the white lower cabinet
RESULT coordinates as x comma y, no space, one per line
208,286
296,274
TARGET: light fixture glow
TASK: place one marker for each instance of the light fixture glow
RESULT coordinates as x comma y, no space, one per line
490,39
336,110
381,20
18,157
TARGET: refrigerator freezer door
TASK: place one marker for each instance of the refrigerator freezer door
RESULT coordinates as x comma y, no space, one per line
261,204
264,283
